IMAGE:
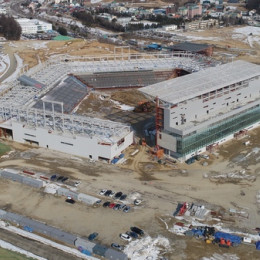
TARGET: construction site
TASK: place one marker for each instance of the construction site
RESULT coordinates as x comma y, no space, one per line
74,115
40,106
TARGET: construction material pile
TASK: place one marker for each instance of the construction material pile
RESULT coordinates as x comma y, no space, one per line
234,177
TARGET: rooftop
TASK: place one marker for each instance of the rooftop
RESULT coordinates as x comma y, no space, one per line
189,46
179,89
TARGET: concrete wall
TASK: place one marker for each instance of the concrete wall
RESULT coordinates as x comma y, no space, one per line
167,141
78,145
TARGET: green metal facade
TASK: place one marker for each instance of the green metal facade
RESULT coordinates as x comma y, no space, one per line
191,143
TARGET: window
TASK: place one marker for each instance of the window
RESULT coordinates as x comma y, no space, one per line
160,136
176,123
90,156
30,135
67,143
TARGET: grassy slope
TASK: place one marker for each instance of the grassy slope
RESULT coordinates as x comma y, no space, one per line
3,149
9,255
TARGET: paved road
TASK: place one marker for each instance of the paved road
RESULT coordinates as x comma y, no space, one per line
35,247
13,64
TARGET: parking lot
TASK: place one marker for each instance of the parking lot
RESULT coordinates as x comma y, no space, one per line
159,187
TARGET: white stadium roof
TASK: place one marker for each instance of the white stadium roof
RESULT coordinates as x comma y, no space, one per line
179,89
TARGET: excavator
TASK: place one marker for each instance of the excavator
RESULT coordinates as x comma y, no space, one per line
143,106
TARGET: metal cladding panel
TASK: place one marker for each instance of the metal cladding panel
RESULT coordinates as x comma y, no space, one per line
32,182
85,244
67,192
99,250
39,227
115,255
90,200
27,81
12,176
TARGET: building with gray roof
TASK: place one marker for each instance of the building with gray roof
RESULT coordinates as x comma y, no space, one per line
206,108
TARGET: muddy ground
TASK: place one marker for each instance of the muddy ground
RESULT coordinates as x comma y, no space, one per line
160,186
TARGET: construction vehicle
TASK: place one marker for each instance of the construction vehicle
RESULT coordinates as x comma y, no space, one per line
153,47
143,106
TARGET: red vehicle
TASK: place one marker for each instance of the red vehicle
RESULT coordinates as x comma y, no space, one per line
112,205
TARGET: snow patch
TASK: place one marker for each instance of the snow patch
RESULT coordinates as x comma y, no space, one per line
122,106
248,34
39,45
51,188
147,248
4,63
221,257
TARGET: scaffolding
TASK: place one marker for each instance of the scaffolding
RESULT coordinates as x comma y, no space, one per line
16,100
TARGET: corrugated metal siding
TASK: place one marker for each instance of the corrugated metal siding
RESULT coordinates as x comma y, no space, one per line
67,192
85,244
32,182
12,176
90,200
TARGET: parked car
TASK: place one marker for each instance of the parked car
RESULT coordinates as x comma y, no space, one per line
92,236
111,194
137,230
106,204
205,156
64,179
117,207
126,209
123,197
71,201
60,178
137,202
132,234
108,192
116,246
102,192
77,183
53,177
118,195
122,206
112,205
125,237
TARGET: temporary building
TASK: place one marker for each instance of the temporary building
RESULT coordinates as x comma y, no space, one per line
90,200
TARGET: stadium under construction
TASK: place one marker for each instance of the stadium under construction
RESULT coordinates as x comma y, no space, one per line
39,106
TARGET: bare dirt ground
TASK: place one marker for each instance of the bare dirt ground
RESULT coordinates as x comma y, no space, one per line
33,52
224,43
97,106
160,186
